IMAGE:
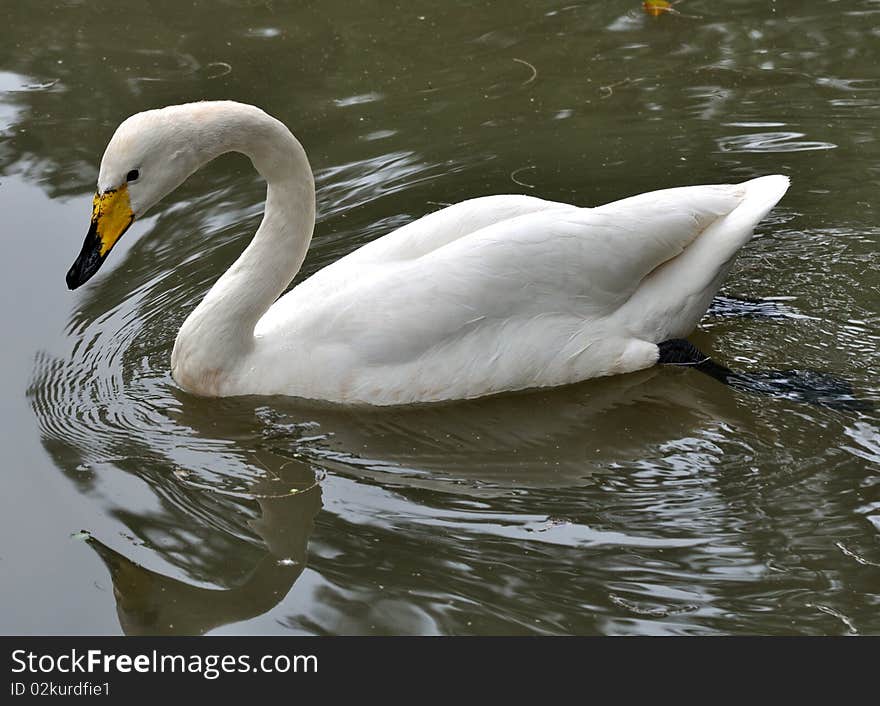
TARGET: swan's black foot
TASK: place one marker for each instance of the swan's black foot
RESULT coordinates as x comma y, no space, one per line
807,386
680,351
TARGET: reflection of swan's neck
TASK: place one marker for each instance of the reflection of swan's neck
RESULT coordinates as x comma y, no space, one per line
220,330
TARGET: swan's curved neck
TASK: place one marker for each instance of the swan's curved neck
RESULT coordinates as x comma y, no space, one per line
219,332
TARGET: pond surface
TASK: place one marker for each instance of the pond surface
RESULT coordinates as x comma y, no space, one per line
655,503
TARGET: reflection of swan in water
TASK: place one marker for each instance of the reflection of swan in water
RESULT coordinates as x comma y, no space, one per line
150,603
543,438
217,513
485,448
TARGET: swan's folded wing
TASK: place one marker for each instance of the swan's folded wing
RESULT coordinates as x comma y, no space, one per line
421,237
577,258
446,225
572,264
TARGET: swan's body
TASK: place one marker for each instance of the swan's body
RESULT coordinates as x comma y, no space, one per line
493,294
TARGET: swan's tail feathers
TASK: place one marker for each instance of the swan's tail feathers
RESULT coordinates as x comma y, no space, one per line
713,252
761,195
809,386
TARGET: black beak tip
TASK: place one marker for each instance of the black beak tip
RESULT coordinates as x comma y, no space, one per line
83,270
87,264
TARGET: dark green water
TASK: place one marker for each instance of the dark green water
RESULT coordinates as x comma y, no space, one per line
658,503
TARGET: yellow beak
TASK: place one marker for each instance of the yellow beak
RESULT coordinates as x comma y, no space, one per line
111,217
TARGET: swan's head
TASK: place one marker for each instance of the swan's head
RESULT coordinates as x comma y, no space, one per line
149,155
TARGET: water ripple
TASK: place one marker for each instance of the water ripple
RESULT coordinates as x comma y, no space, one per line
771,142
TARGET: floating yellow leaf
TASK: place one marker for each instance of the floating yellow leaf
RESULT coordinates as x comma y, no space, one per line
655,8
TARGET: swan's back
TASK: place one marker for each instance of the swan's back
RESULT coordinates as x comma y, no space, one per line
425,235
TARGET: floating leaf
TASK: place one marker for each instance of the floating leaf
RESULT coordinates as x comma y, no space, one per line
655,8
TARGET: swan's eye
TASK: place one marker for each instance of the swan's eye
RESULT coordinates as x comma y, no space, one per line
132,175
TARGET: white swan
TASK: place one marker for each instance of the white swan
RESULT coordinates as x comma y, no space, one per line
492,294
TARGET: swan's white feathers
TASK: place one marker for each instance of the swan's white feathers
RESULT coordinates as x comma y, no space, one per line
422,236
491,294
